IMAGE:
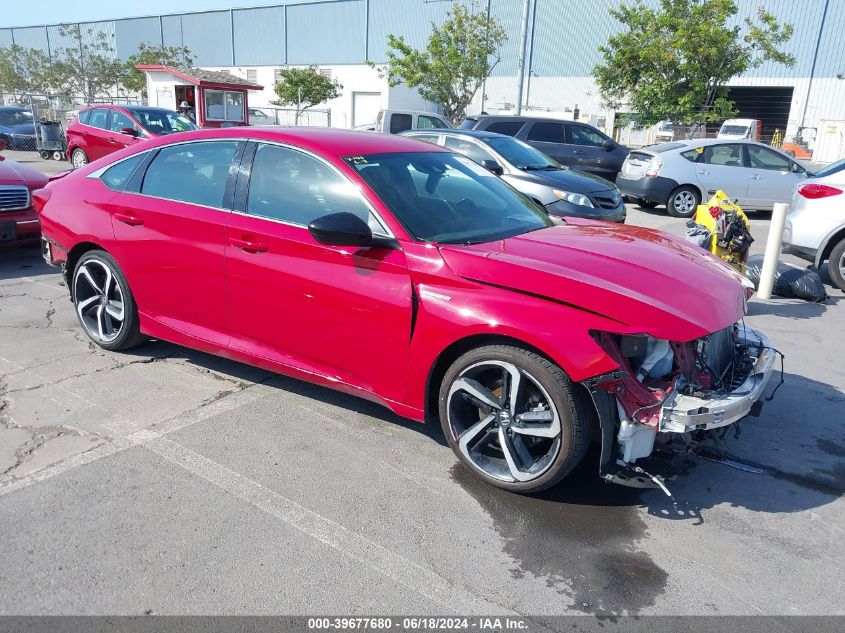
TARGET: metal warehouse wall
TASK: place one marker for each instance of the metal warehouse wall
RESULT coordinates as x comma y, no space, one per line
564,34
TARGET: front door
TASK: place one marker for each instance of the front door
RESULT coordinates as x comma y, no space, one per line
117,139
339,312
170,229
550,138
588,153
771,177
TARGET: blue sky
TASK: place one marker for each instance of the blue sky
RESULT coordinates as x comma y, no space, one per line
32,12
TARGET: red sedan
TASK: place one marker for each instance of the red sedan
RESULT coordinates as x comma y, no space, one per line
403,273
18,222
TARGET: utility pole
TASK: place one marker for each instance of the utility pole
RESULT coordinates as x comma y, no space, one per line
523,44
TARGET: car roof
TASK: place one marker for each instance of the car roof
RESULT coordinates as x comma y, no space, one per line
321,140
524,119
704,142
12,108
457,132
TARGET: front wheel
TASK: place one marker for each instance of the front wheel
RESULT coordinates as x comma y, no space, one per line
513,417
683,202
836,265
104,304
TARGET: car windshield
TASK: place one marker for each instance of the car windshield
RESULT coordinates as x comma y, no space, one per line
447,198
519,154
16,117
734,130
163,121
833,168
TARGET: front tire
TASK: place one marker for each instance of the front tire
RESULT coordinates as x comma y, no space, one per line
683,202
836,265
78,158
104,304
513,417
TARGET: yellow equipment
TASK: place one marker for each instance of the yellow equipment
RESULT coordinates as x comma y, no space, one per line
730,230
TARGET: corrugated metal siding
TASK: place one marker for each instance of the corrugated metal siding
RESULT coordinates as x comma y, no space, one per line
412,19
326,33
209,37
831,60
171,28
130,33
5,38
509,14
32,37
259,36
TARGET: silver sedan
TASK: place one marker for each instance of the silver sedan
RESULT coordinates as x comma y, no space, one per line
681,174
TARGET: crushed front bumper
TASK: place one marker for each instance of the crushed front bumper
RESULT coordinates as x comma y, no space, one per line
685,413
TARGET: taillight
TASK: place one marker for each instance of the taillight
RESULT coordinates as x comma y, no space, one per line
815,191
39,199
653,167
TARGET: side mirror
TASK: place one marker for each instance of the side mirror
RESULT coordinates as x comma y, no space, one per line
492,166
346,229
129,131
608,145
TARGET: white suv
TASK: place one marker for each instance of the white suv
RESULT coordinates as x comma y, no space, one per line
815,226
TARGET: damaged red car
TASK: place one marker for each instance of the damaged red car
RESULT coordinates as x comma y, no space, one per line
408,275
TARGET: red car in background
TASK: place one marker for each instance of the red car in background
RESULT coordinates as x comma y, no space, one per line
18,222
400,272
100,130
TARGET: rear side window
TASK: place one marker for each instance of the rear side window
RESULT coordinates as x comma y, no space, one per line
195,172
429,122
117,176
692,155
428,138
400,123
98,118
84,116
508,128
547,133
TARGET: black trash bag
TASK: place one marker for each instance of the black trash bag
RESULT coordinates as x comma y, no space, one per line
790,281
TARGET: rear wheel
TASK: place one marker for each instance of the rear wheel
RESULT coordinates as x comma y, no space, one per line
836,265
57,155
683,201
513,417
104,304
78,158
45,155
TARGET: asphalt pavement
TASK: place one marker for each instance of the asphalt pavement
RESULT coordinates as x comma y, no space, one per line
168,481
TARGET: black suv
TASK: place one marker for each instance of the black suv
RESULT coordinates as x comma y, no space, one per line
575,145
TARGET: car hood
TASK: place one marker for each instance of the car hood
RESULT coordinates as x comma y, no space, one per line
647,281
566,179
23,128
13,173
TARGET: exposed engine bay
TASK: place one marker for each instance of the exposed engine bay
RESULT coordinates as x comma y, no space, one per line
665,387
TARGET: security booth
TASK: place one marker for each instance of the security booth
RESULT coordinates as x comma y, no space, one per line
216,98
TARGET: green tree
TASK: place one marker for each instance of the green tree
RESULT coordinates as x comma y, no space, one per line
459,56
673,62
22,70
134,80
305,88
87,67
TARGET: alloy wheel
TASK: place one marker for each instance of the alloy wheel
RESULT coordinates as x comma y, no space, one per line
99,301
684,203
78,159
504,421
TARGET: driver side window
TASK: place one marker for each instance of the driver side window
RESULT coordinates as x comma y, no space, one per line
585,136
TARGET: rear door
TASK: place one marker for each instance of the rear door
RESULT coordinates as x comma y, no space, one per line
169,224
722,167
95,133
771,177
550,138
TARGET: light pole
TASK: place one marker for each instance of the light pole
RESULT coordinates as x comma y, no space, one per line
523,43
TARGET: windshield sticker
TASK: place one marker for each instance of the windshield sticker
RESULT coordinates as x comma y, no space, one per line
357,160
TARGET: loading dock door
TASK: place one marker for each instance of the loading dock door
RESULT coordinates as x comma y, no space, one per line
365,107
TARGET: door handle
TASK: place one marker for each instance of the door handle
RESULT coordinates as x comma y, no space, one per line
111,139
704,172
756,177
248,245
577,152
128,218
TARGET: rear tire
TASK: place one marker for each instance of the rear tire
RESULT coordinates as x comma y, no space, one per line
45,155
498,396
683,201
78,158
104,303
836,265
58,155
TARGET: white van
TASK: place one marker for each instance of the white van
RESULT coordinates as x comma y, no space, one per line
395,121
740,129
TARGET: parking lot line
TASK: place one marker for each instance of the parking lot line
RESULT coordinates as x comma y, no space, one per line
120,444
351,544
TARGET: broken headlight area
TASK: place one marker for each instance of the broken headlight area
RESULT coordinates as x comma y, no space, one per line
666,389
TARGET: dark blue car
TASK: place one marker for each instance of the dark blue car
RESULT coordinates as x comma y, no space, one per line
17,128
